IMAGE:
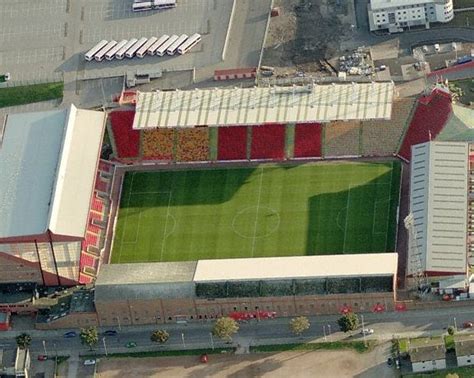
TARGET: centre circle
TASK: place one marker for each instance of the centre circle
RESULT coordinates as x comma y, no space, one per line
256,222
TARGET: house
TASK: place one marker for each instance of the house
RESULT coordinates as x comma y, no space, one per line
427,354
464,346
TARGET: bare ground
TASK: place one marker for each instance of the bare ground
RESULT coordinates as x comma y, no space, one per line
306,32
327,364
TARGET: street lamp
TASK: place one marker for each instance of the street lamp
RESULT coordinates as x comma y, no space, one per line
363,330
212,340
105,346
44,347
324,332
182,338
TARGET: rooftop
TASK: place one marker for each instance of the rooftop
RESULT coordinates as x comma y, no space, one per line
253,106
373,264
56,153
145,273
427,349
464,344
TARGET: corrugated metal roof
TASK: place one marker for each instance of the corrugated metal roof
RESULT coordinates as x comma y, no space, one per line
253,106
48,162
371,264
438,202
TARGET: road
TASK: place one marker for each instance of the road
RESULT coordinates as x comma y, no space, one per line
197,335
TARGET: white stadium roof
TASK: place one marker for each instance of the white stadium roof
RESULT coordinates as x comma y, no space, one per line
368,264
48,162
438,202
253,106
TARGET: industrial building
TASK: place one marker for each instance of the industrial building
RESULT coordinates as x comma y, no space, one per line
397,15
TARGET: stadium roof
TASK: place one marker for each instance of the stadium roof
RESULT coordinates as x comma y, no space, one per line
145,273
145,281
48,162
371,264
438,202
253,106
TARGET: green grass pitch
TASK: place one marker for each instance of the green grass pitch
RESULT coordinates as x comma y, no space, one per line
269,210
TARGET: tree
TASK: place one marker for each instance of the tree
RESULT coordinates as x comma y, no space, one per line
299,325
348,322
224,328
160,336
23,341
451,330
90,337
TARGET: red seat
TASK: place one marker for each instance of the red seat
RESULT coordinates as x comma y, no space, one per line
431,115
127,140
232,143
308,140
268,142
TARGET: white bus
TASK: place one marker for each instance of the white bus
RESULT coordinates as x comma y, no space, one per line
164,4
90,54
152,49
133,49
139,7
101,54
121,53
189,44
141,52
172,49
162,49
111,53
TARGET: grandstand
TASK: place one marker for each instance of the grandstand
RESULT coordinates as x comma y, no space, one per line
49,165
206,289
439,198
430,116
255,106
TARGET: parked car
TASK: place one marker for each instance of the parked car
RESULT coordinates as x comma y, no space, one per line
367,331
390,361
131,344
89,362
110,332
468,325
70,334
42,357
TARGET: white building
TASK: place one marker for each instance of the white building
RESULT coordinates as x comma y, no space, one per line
427,354
464,346
396,15
438,202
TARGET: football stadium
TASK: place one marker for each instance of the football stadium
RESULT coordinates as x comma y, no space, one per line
266,210
245,201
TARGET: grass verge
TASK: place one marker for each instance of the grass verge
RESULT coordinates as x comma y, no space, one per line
358,346
163,353
13,96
